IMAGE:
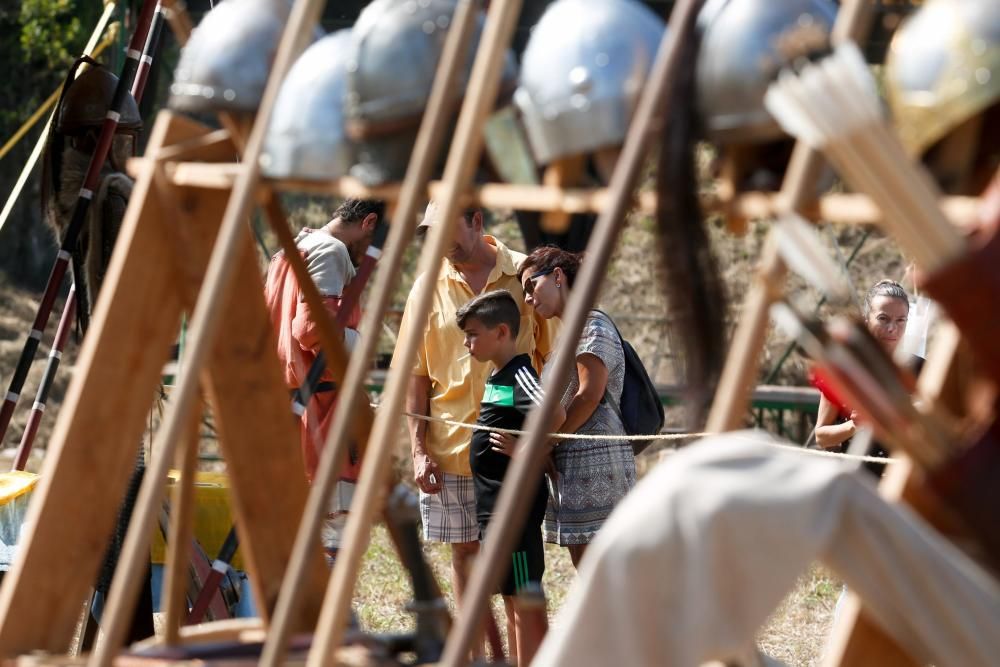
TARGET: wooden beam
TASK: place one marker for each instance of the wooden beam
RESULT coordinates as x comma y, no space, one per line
561,173
847,208
856,638
730,176
215,146
207,321
257,431
92,451
174,591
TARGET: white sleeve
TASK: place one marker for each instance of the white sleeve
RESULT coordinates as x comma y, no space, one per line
696,557
329,263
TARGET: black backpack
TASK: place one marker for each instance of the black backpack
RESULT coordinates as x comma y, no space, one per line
640,408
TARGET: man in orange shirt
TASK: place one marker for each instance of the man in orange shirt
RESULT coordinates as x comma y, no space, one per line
331,253
448,383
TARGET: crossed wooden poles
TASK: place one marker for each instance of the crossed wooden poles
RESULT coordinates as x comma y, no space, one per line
163,267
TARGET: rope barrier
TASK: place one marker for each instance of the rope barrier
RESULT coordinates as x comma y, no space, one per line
660,436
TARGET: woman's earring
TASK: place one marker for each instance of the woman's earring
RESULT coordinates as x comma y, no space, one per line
558,284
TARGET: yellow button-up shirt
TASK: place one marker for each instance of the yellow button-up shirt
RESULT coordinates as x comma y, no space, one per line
458,380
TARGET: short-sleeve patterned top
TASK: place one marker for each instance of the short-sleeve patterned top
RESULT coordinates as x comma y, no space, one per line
593,475
600,338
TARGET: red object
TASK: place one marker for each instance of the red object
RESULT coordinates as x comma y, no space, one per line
820,378
295,329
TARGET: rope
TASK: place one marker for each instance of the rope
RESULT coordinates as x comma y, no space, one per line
659,436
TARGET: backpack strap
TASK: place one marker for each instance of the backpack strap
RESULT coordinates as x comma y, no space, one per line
613,325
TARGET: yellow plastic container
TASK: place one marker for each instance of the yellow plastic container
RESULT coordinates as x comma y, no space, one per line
212,516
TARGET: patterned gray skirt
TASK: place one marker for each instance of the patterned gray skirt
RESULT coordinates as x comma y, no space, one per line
593,475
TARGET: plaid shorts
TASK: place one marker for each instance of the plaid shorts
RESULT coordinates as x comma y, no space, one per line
450,514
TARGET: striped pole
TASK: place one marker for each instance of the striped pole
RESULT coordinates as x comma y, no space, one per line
220,568
133,55
38,409
148,53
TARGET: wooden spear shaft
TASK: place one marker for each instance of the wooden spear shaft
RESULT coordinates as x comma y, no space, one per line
512,505
181,532
804,168
205,325
418,173
463,157
331,336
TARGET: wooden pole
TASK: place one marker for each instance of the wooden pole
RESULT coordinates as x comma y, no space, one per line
179,537
205,325
526,467
856,638
462,159
797,191
847,207
345,424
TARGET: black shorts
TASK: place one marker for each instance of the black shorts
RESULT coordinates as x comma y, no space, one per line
526,563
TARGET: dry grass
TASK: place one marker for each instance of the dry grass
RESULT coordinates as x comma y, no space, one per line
797,630
794,634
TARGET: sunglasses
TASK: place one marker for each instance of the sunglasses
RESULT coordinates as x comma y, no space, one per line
529,284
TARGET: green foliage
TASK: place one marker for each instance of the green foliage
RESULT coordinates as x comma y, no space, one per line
42,38
49,28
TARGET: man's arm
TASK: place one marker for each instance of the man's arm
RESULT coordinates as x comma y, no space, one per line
425,470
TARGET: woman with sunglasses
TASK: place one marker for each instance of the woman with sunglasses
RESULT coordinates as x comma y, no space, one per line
592,474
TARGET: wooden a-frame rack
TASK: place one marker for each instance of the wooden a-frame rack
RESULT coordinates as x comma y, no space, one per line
184,248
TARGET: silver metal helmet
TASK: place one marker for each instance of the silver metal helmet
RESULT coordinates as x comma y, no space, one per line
581,74
225,64
741,48
943,68
396,48
306,136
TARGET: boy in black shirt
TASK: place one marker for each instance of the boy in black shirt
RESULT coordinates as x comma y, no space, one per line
491,322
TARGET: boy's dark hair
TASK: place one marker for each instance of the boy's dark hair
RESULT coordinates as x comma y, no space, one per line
356,210
492,309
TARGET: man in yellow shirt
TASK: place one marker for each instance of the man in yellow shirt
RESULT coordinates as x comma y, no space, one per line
448,383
